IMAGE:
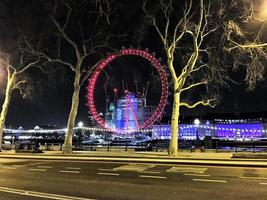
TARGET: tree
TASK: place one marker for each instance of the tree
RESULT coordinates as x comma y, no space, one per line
195,36
246,38
15,62
79,29
15,79
185,35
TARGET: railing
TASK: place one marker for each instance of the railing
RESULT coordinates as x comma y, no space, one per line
158,145
239,145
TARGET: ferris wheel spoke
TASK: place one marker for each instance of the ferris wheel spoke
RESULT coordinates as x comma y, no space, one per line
134,114
129,107
127,112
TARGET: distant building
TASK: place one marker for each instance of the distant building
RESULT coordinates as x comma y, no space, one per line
129,112
218,128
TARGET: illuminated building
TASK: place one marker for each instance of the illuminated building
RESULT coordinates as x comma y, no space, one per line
128,112
222,129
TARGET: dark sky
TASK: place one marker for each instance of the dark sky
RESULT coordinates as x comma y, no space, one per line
51,105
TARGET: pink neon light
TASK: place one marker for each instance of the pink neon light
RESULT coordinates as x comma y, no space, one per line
154,62
134,114
127,113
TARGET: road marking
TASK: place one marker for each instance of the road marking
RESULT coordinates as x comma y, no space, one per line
148,172
41,194
72,172
108,174
199,170
45,167
72,168
137,167
157,177
9,167
39,170
263,183
109,170
210,180
196,174
17,165
255,178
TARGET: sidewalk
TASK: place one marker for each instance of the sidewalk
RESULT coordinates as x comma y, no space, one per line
185,157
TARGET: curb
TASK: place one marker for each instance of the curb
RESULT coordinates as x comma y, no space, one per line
207,162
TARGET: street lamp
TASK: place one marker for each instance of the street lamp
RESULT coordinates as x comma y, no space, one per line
197,143
80,124
80,132
197,122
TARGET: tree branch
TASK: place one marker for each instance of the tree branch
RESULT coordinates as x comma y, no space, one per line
68,16
194,85
88,73
154,23
201,66
67,38
204,103
60,62
247,46
16,86
28,66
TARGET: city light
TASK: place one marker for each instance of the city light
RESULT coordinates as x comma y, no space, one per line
197,122
162,99
263,10
80,124
2,75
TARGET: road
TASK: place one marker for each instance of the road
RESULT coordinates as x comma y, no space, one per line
83,180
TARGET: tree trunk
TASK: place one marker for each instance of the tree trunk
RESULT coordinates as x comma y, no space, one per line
9,88
173,147
67,147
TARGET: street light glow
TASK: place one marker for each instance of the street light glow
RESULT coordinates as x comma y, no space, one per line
263,10
2,76
197,122
80,124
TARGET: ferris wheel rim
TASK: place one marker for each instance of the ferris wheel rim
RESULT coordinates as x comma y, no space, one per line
101,66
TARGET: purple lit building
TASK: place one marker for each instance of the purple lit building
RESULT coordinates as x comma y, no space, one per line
221,129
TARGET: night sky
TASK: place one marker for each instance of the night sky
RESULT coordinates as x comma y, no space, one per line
51,102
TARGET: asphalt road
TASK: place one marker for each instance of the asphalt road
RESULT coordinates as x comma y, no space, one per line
77,180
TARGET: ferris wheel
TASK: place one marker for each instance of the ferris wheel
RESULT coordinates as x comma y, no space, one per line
127,109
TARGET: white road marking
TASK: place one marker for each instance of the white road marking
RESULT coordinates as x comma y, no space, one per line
45,167
263,183
41,194
72,172
9,167
109,170
108,174
17,165
210,180
157,177
72,167
137,167
196,174
255,178
148,172
181,169
39,170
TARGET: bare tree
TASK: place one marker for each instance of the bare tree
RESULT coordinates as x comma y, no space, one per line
195,38
14,70
79,31
246,38
185,33
15,62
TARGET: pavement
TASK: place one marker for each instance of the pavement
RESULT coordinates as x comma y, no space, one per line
183,157
33,179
